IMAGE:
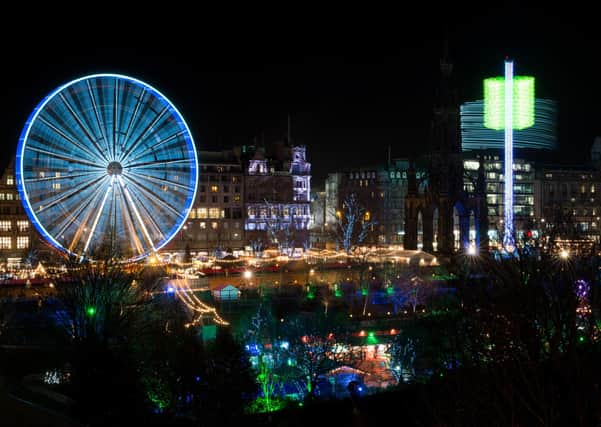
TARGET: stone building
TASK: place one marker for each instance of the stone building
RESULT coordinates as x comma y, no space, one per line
277,197
216,219
19,240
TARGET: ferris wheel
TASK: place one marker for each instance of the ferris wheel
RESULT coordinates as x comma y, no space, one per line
106,162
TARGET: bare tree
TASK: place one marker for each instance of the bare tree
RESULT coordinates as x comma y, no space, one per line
352,226
402,358
257,246
281,230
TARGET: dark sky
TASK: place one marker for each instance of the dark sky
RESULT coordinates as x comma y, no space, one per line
351,88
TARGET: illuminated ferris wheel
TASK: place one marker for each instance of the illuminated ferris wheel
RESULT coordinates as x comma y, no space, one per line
106,162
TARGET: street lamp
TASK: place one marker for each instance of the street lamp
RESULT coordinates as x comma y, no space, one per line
247,276
564,254
472,250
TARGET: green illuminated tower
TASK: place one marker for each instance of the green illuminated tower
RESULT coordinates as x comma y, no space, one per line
509,105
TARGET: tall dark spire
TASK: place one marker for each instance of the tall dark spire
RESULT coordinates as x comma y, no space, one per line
446,66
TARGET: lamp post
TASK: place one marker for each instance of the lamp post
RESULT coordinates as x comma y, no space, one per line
247,276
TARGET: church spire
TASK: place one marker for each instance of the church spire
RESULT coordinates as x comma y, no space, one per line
446,66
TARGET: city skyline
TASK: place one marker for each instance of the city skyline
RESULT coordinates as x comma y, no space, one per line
342,92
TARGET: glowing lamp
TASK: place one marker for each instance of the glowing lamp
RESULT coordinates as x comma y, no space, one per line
91,311
564,254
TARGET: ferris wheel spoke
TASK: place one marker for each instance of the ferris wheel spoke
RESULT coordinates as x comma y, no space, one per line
160,181
99,121
62,176
100,210
156,228
149,203
69,138
149,128
86,131
64,196
65,222
65,157
134,116
155,146
134,208
142,190
128,222
68,220
84,219
158,163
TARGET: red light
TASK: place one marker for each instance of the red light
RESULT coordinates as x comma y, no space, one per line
529,234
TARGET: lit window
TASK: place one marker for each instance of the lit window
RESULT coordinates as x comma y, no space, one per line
5,242
2,196
201,213
10,180
214,188
471,165
236,198
56,185
22,242
203,225
22,225
214,225
192,214
9,196
214,213
592,188
42,174
367,216
4,225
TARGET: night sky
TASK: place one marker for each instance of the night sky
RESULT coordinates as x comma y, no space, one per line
351,89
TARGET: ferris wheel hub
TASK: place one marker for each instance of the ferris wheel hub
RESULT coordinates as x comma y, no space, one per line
114,168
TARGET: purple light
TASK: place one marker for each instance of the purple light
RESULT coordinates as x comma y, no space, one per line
582,288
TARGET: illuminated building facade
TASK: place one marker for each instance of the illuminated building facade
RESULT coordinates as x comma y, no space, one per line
524,207
216,219
18,236
381,190
277,196
568,201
